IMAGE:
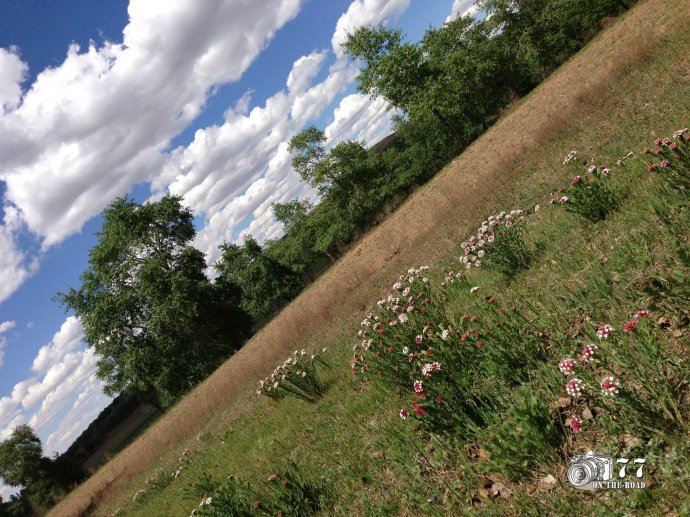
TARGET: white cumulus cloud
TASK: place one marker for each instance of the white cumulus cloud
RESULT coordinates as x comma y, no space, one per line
462,8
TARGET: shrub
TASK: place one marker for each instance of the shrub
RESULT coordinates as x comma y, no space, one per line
590,196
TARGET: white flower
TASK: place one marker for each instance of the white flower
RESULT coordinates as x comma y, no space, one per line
406,291
403,318
397,285
480,253
474,289
405,350
445,334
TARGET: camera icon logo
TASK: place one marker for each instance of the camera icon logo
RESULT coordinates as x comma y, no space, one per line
588,471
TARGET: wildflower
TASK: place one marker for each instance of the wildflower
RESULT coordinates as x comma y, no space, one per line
474,289
604,331
679,133
490,238
438,399
477,263
630,326
576,424
419,339
673,146
591,169
405,350
575,180
255,504
324,349
645,151
609,386
605,171
419,412
272,477
397,286
444,335
403,318
406,291
566,366
206,501
480,253
663,163
563,199
574,387
418,387
588,352
643,314
404,413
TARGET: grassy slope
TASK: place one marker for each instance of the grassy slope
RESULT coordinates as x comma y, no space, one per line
628,85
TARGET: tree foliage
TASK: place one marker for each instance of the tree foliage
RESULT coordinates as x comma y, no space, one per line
264,282
148,309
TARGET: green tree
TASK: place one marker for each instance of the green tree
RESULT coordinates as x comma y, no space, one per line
265,283
149,311
21,457
292,214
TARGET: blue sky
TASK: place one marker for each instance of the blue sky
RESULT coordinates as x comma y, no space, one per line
196,98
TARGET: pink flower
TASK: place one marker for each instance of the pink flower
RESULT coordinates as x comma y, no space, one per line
588,352
419,339
418,387
604,331
663,163
575,180
272,477
563,199
630,326
673,146
646,150
574,387
566,366
643,314
592,169
576,424
605,171
657,151
404,413
657,141
609,386
419,412
255,505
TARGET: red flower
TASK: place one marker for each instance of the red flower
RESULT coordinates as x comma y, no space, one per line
423,311
419,412
415,430
255,505
463,337
630,326
428,352
438,399
645,151
576,424
479,343
575,180
657,151
473,319
272,477
501,310
663,163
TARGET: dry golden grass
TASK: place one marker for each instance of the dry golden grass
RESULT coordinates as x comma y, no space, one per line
421,230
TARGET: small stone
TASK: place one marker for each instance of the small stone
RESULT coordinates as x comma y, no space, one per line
587,413
548,482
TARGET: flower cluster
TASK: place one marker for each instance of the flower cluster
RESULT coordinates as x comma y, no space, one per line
671,157
296,376
588,195
479,244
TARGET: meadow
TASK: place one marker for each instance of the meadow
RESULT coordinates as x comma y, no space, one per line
568,331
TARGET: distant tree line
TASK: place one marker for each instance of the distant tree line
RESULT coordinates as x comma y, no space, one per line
158,323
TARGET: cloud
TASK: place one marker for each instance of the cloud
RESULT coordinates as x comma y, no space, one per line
360,118
65,340
364,13
15,265
69,384
100,122
4,327
13,72
462,8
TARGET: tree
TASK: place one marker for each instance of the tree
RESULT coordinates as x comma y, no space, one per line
21,457
264,282
149,311
292,214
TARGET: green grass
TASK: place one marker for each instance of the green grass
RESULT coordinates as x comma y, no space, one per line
582,274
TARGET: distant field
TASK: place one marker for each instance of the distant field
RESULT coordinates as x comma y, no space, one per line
628,86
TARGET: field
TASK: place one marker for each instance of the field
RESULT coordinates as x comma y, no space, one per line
351,452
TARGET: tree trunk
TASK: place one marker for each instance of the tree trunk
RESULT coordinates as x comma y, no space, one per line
450,127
